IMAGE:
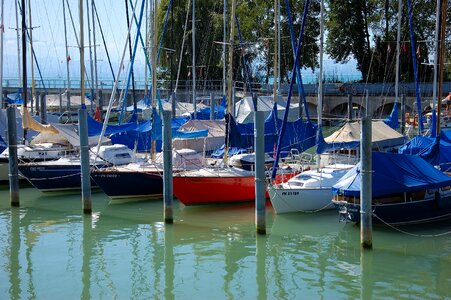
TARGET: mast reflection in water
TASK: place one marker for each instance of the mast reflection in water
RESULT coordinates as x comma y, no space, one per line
124,250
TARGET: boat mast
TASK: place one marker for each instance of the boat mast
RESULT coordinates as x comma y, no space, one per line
434,85
230,76
441,59
18,45
146,51
24,64
31,54
67,60
91,61
224,76
278,46
154,73
2,27
182,47
398,51
320,75
97,96
131,58
276,29
193,29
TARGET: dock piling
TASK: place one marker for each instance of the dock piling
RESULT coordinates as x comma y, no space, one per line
13,161
366,224
260,199
167,168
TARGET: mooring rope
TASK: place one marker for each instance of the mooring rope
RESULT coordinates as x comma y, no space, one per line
412,234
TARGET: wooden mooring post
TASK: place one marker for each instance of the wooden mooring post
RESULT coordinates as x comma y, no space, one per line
366,223
83,129
260,199
13,161
167,168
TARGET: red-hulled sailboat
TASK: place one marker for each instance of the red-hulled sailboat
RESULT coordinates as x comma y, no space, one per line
218,185
227,184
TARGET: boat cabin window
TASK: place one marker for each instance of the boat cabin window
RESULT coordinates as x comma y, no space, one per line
122,155
303,177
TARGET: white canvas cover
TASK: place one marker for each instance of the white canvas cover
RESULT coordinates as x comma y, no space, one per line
53,101
383,136
70,132
244,109
214,140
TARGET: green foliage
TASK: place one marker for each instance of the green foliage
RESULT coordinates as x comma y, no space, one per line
358,29
366,31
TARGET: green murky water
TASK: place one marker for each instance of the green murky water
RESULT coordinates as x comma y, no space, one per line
49,250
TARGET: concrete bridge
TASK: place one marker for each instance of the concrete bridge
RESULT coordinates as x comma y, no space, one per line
335,100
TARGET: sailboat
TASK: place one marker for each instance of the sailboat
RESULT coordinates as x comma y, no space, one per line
224,183
309,190
405,190
64,174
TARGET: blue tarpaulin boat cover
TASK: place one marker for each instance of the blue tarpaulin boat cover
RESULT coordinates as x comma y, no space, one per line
204,113
393,173
298,135
95,128
15,99
2,144
140,137
392,120
433,150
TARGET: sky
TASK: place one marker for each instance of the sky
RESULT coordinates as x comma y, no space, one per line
49,45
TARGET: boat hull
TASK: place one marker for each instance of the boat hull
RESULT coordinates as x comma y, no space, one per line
119,185
53,178
412,212
298,200
214,190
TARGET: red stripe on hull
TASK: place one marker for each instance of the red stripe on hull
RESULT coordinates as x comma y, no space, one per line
216,190
210,190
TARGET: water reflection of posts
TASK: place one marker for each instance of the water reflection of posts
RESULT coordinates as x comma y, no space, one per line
366,274
260,213
260,253
169,262
366,226
14,279
167,168
87,254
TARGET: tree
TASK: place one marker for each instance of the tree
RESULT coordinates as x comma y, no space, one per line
256,20
350,23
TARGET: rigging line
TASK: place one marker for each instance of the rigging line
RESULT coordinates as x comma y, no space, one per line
246,68
131,58
35,59
415,71
160,46
299,75
51,31
143,45
76,37
210,50
285,115
183,45
110,103
111,32
104,42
